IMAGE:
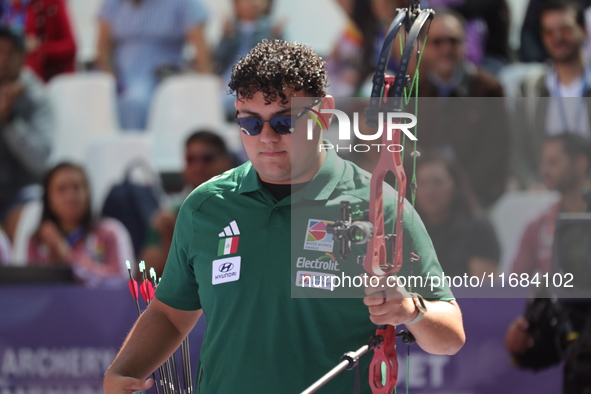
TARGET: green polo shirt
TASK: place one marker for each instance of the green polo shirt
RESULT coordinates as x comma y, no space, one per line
244,258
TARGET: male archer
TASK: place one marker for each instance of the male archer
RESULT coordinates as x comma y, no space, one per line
240,244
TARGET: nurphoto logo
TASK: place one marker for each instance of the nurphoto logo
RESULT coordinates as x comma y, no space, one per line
393,122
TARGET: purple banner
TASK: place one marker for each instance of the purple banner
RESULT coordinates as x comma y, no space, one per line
61,340
483,365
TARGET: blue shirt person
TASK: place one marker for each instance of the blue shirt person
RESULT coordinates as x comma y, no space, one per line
138,39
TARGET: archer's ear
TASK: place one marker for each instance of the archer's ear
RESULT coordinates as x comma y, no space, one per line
328,103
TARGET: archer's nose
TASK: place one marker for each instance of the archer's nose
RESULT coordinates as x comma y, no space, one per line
268,134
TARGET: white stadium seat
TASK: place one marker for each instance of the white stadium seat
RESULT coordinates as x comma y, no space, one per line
316,23
182,104
513,75
27,225
107,159
83,16
84,106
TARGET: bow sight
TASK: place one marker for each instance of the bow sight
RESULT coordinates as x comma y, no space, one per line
347,231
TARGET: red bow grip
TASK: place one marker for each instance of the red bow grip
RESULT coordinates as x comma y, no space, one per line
383,370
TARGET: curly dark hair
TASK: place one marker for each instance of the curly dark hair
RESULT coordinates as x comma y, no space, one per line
273,66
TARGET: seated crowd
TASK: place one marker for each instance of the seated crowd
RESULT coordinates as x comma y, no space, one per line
471,155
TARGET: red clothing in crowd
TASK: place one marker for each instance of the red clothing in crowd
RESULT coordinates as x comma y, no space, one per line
535,249
48,22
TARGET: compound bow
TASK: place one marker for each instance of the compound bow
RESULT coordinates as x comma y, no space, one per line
387,95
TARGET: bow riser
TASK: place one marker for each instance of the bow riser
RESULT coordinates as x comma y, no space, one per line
384,354
377,248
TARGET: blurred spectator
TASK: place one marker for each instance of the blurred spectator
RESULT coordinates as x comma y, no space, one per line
4,248
532,46
464,242
96,249
141,41
487,30
49,40
344,65
565,164
555,329
371,20
475,132
449,72
250,26
384,12
26,127
206,156
567,82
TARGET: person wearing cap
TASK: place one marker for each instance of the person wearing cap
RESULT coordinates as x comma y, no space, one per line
26,129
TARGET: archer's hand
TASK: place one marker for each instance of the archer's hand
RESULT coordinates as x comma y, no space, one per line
389,304
517,339
117,384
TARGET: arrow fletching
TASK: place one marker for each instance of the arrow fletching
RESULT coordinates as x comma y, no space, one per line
147,290
133,288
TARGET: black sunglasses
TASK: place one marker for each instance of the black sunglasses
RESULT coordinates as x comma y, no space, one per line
280,124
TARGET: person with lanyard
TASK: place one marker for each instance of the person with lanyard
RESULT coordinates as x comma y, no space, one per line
472,131
555,100
565,168
49,38
68,235
245,242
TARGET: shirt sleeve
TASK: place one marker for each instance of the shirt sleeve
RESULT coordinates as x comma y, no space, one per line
30,132
178,288
62,48
419,262
193,13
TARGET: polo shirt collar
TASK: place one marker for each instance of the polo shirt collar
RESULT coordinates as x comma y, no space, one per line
250,181
320,188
